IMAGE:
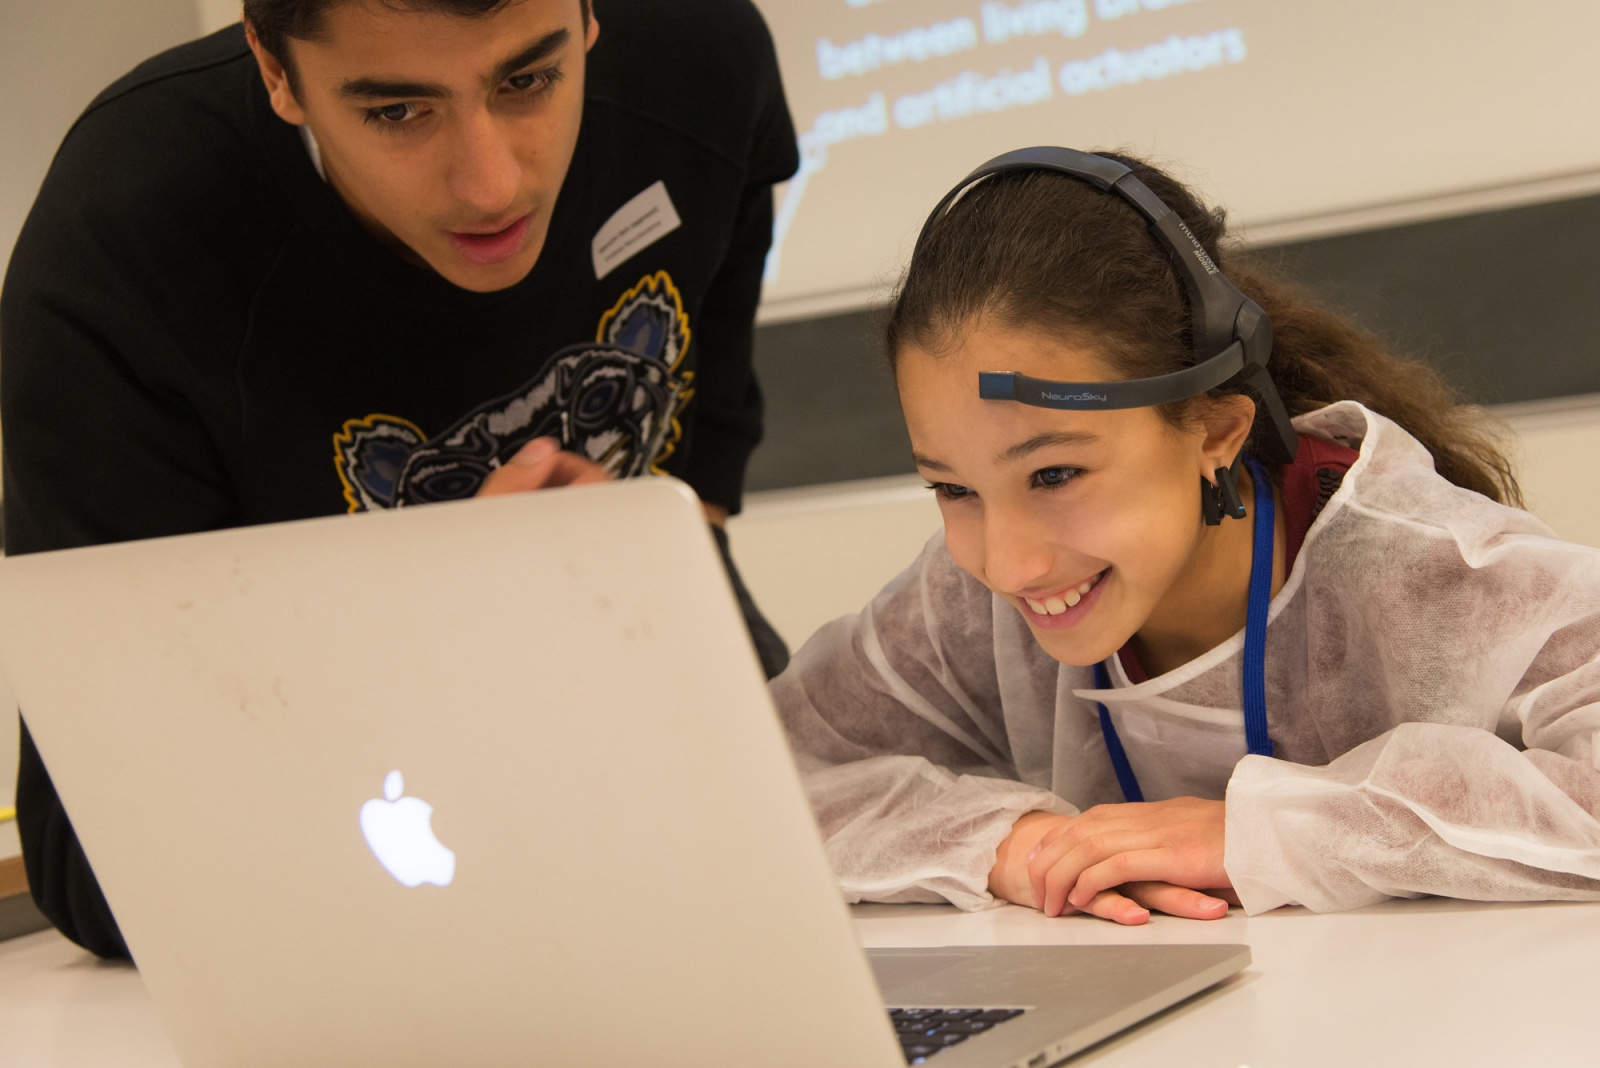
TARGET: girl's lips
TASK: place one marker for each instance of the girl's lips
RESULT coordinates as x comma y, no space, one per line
488,249
1074,613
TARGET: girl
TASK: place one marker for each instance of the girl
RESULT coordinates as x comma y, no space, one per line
1049,706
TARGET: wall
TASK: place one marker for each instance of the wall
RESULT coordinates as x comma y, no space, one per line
54,58
1301,117
215,14
1557,444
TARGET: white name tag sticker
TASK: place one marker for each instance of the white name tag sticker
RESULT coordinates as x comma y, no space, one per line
637,225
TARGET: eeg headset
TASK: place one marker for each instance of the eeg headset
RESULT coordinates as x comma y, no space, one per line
1232,335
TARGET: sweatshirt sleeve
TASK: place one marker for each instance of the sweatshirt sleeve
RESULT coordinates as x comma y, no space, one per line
102,442
728,403
59,877
1473,799
896,719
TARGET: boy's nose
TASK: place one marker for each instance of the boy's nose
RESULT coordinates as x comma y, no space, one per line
485,172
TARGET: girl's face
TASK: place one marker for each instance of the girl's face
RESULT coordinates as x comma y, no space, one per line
1088,523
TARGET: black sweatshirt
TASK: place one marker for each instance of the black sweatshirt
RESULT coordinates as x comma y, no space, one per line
197,334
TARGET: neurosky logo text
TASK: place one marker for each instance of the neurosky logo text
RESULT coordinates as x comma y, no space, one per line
1047,395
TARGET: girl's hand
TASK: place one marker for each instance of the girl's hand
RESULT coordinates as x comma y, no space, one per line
1178,842
1047,857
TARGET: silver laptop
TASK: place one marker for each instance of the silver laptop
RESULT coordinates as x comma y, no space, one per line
495,782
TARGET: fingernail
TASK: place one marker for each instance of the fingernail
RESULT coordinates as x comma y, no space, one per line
536,451
1036,851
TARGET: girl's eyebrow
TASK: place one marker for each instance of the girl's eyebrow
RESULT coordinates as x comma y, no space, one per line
1018,451
1044,441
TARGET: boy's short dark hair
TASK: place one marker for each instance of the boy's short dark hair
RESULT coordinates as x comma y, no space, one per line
275,21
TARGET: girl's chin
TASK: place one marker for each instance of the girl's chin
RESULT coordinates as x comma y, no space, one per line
1075,652
1089,640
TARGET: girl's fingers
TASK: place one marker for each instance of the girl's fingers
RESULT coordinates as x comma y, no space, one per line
1062,863
1113,906
1135,866
1177,900
1183,867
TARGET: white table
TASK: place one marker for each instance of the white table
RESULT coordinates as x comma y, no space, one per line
1404,983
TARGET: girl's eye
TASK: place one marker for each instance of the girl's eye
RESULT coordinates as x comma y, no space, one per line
950,491
391,114
1051,477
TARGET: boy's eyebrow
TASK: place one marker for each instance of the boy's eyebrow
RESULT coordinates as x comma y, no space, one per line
390,88
540,49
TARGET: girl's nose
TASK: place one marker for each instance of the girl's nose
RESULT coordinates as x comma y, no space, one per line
1016,554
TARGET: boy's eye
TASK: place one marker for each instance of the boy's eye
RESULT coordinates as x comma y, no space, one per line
534,82
1050,477
391,114
950,491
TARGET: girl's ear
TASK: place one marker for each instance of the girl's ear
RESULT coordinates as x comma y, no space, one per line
1227,421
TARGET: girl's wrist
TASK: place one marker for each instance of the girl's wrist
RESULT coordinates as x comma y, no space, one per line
1008,879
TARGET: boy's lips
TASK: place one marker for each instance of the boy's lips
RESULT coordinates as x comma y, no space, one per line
488,248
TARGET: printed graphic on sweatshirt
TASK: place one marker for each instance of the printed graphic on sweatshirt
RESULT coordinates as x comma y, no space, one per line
616,400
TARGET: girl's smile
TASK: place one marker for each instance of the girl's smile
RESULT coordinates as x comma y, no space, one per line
1063,608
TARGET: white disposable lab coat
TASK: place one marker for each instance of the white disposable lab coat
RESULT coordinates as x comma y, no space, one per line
1433,689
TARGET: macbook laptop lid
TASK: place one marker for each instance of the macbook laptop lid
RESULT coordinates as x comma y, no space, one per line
487,782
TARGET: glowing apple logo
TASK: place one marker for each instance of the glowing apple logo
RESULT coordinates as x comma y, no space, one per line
400,832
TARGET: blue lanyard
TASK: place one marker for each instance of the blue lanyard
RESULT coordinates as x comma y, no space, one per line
1255,646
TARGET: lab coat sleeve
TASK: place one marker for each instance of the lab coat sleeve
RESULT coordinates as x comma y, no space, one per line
1503,806
896,722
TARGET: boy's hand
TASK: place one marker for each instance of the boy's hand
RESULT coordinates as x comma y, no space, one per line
541,464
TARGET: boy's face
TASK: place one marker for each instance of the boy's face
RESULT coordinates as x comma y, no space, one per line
1087,523
448,137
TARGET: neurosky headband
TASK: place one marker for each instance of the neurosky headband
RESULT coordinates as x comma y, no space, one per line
1232,335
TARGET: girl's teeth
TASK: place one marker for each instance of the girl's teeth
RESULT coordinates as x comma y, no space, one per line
1054,606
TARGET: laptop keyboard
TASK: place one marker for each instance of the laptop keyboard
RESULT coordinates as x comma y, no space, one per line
924,1032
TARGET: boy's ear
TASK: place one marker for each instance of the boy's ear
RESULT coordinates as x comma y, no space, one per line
279,89
1227,421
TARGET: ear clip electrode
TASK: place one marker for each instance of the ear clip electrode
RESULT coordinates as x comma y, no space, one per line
1221,500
